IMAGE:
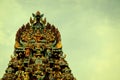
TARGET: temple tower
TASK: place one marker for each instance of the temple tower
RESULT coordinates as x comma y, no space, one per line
38,53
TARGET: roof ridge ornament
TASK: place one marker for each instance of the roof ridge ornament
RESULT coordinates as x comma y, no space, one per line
37,16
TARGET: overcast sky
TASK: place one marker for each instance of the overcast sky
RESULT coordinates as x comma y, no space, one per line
90,31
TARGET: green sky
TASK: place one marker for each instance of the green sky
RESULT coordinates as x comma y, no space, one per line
90,31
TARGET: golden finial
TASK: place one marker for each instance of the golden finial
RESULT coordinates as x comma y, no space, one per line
37,13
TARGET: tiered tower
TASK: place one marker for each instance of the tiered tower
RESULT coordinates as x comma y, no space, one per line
38,53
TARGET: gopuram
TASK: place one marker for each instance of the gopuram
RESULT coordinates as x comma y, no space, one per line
38,53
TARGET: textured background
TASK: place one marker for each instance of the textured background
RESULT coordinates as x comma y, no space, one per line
90,31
